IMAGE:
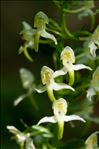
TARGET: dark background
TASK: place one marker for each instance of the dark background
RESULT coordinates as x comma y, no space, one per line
12,14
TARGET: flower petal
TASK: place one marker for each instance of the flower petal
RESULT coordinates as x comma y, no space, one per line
18,100
80,66
13,130
59,73
93,48
72,117
41,89
47,119
26,26
90,92
19,136
29,144
49,36
60,86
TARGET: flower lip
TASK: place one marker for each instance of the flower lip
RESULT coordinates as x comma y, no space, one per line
46,75
67,55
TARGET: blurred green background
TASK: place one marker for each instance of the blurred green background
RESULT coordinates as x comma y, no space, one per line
12,15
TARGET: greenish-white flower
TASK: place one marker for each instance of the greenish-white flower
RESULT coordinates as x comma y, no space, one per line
28,36
27,79
68,58
87,11
40,22
92,141
47,76
23,139
94,42
59,110
94,86
32,36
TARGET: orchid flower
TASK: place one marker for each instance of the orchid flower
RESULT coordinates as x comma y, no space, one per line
60,109
87,11
94,42
92,141
94,86
40,22
68,58
28,36
23,139
27,79
47,76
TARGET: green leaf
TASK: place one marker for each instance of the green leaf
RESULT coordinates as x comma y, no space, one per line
74,144
43,131
26,26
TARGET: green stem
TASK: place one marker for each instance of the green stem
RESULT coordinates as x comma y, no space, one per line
45,41
81,55
92,21
33,101
22,146
84,32
83,38
65,27
75,10
55,32
51,94
61,16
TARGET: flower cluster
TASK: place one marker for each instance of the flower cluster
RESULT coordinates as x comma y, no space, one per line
50,85
23,139
65,74
48,80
